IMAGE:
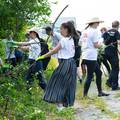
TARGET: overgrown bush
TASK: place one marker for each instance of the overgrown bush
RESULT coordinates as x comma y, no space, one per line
2,49
17,103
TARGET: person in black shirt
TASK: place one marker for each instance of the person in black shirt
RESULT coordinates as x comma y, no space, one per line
111,40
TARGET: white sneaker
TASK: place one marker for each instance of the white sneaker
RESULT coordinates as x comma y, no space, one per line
60,107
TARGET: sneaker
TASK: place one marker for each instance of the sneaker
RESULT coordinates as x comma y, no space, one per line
103,94
60,107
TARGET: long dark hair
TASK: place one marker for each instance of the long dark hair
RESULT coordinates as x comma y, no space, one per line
76,36
40,39
88,26
72,31
43,45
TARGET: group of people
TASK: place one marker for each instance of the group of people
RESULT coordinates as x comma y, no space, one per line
67,47
12,55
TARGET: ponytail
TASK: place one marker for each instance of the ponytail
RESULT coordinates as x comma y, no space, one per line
40,39
89,25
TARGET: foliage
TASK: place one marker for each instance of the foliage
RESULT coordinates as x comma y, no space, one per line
2,50
101,53
17,103
51,66
16,15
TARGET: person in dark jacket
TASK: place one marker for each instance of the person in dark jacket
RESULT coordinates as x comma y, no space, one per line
111,40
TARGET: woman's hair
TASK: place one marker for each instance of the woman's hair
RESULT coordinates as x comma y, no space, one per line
91,24
72,31
37,36
40,39
69,30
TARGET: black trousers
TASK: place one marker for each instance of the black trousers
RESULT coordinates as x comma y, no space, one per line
36,68
12,61
113,77
92,66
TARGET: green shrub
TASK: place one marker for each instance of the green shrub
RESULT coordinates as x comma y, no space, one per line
17,103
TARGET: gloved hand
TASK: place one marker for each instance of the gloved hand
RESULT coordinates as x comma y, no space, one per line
49,45
40,58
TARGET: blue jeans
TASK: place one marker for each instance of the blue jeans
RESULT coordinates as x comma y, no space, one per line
36,68
31,61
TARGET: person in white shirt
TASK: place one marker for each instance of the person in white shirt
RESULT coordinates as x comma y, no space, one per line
34,49
9,51
62,85
55,36
34,52
90,42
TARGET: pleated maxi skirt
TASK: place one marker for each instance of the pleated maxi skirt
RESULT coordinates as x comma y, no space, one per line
62,85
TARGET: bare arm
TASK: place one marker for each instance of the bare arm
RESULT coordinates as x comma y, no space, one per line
24,48
22,43
54,51
97,45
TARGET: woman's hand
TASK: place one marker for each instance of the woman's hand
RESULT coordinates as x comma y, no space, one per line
98,45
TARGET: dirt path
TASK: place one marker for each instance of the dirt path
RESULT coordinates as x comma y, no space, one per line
89,113
92,112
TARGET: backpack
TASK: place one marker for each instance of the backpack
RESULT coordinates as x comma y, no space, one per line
44,50
77,49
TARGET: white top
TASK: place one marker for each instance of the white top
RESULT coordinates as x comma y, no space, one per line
10,53
88,38
68,49
34,49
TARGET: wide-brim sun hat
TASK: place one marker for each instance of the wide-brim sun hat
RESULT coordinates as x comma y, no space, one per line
95,20
40,31
34,30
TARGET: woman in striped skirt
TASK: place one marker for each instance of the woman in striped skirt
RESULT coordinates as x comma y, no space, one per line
62,85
